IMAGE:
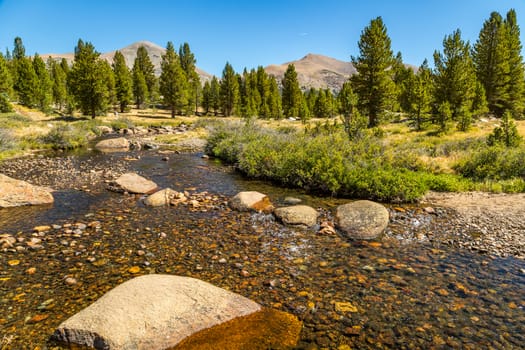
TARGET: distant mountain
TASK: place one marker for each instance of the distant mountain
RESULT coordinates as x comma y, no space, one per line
316,71
155,53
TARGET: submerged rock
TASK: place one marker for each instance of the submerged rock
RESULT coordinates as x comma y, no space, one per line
15,193
362,219
135,183
251,201
297,215
152,312
115,144
160,198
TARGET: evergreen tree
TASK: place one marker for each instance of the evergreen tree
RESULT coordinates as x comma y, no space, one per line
187,62
506,134
5,86
26,82
249,96
418,96
311,98
44,89
109,77
87,80
321,107
516,86
123,82
489,56
206,98
292,97
304,112
173,82
19,50
373,81
263,89
6,83
274,100
401,75
353,121
455,79
215,95
58,83
229,91
144,80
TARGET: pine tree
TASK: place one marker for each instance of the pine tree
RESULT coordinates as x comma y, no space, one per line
43,91
274,100
516,86
87,80
26,82
173,82
5,86
292,97
249,94
206,98
263,88
455,79
109,77
353,121
143,69
215,95
19,50
229,91
123,82
489,56
373,81
506,134
58,83
187,62
419,96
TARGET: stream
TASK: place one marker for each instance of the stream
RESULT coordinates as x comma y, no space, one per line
395,293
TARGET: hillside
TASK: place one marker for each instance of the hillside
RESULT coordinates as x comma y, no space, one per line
130,52
316,71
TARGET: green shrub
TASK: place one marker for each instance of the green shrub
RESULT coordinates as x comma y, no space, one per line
65,136
493,163
7,141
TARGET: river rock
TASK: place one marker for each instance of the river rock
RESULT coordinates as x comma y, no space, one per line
160,198
115,144
15,193
362,219
251,201
104,129
152,312
297,215
135,183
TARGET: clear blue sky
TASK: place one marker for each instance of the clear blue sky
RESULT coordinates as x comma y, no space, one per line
245,33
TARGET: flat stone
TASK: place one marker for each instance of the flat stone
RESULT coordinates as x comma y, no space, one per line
135,183
15,193
362,219
152,312
251,201
297,215
115,144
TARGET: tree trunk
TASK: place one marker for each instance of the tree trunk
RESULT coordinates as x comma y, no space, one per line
173,111
93,113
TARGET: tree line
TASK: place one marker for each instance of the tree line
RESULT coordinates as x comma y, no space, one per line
466,82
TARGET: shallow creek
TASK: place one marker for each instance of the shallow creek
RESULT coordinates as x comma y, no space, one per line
397,293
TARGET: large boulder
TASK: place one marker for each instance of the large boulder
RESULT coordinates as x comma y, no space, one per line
15,193
362,219
251,201
152,312
160,198
134,183
297,215
114,144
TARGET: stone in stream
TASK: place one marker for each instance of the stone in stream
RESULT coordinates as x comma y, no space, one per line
15,193
152,312
115,144
362,219
134,183
251,201
160,198
297,215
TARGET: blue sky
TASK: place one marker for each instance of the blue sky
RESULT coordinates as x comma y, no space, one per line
245,33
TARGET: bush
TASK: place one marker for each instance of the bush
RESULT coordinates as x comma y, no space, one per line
7,141
493,163
65,137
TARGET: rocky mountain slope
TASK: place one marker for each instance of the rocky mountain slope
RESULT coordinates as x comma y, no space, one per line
316,71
